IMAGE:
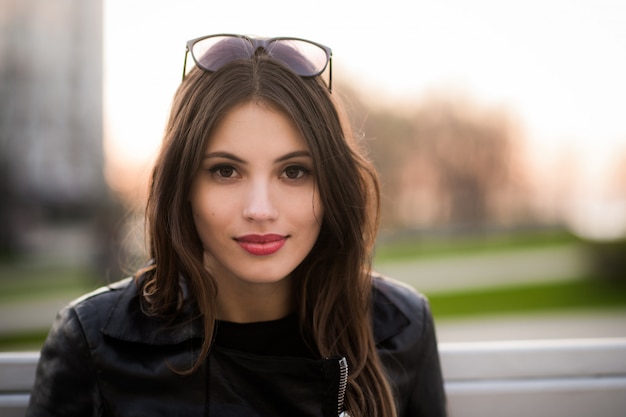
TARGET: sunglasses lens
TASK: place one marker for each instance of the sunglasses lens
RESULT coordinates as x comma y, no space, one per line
305,58
216,51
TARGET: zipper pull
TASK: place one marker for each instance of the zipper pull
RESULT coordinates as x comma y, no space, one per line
343,384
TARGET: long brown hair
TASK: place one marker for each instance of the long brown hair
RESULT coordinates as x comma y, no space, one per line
333,283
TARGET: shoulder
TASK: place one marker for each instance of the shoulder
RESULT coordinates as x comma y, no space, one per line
398,309
100,302
400,294
85,316
103,294
76,330
115,311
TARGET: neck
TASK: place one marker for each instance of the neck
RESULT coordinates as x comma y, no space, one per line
242,302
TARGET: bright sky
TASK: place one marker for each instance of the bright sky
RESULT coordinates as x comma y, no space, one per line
559,65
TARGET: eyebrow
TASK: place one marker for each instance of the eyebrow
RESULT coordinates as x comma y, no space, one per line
228,155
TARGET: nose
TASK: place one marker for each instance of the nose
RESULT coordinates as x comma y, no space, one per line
259,205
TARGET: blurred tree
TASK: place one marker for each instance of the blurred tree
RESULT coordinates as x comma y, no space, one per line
444,163
385,135
472,155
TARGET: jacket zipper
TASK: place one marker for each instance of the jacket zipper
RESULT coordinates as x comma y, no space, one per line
343,384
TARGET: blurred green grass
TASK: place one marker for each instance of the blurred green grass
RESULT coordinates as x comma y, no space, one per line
575,294
414,247
32,280
23,341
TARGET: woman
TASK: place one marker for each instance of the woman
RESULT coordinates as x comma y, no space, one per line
259,299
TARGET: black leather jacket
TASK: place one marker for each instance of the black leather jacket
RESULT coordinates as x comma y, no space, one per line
104,357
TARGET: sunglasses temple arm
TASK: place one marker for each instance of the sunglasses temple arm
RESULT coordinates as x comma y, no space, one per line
330,74
185,64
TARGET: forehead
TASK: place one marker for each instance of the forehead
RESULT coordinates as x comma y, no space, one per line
255,127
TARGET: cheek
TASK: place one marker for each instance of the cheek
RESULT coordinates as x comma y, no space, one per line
309,212
207,214
205,201
210,227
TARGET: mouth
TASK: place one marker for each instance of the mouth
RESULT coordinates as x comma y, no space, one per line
261,245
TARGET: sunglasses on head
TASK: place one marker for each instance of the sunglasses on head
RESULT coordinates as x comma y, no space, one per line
305,58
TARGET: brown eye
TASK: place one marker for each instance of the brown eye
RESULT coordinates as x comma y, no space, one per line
295,172
224,171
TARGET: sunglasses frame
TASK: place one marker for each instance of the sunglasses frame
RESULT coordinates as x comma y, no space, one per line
263,43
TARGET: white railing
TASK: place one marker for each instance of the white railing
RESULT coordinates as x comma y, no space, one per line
543,378
17,374
547,378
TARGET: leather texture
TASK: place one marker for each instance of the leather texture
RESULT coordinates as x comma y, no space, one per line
104,357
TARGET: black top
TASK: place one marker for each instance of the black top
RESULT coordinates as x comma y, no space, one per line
280,337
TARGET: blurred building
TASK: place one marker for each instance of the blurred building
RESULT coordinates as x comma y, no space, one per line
51,153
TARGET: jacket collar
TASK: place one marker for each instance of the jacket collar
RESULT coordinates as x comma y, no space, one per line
127,322
387,316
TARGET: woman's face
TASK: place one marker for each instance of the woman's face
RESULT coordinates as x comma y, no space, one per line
254,200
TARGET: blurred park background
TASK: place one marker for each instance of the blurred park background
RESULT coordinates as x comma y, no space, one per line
498,131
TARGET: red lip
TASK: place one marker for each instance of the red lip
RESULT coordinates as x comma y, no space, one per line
261,245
